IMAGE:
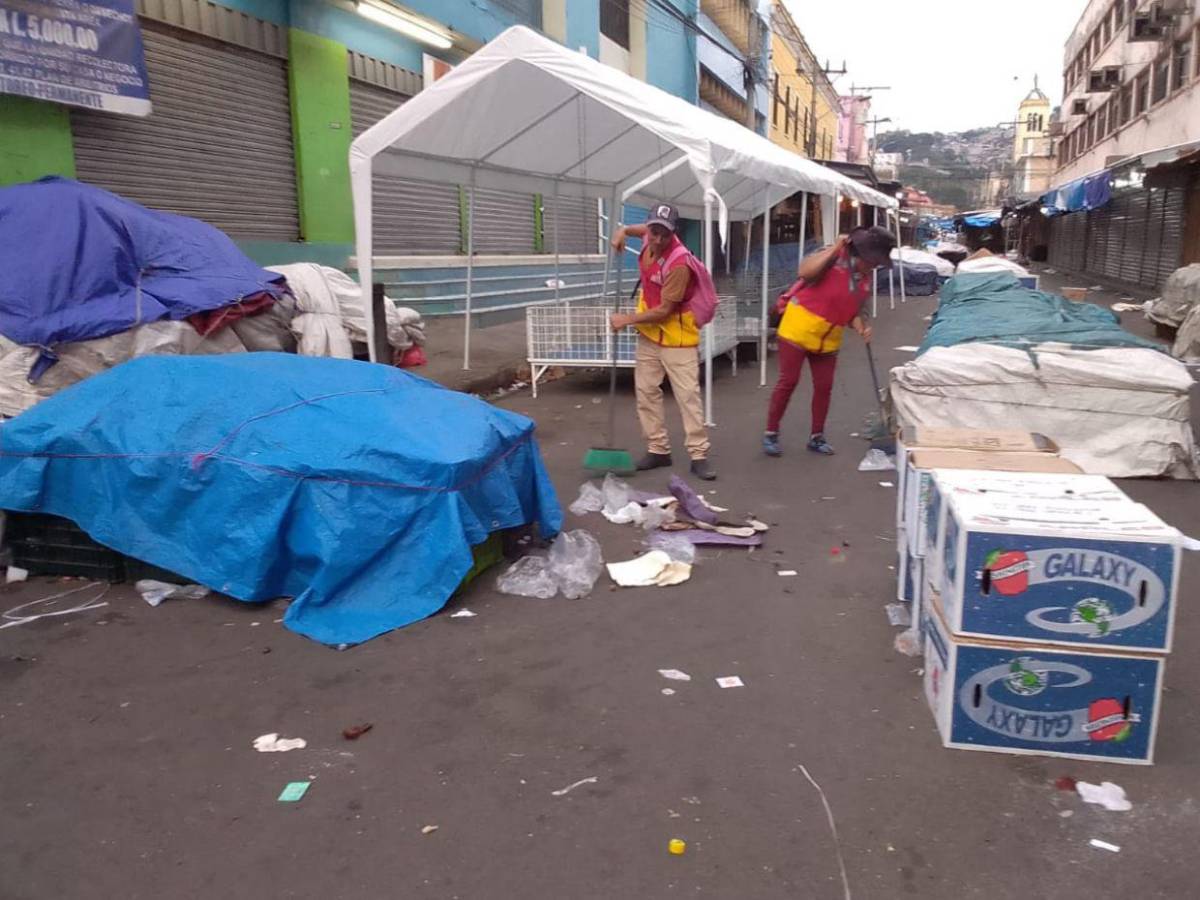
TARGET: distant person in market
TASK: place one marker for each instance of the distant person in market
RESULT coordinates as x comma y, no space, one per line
668,341
833,287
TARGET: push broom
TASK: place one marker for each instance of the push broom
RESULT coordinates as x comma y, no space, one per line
611,458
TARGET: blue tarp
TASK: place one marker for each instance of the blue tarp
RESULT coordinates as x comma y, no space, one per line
80,263
981,220
1090,192
356,488
995,308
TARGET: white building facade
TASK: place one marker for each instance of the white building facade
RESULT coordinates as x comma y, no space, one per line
1131,75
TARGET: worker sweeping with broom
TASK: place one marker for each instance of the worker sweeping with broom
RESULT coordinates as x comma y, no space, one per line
833,285
676,301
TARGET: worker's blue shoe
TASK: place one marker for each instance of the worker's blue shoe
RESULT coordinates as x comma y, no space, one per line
818,444
771,445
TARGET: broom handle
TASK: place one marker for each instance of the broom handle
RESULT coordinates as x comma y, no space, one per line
612,370
875,380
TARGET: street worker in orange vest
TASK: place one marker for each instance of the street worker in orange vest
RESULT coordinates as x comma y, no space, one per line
833,286
668,341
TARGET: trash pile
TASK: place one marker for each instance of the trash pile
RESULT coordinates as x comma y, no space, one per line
1000,352
92,280
359,490
1042,598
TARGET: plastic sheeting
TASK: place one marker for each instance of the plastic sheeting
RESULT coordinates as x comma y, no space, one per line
995,308
1180,296
330,313
80,263
1120,412
944,267
358,489
83,359
989,262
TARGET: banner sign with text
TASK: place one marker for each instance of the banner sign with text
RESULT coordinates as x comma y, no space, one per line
80,52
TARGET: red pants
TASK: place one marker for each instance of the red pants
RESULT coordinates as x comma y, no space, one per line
791,360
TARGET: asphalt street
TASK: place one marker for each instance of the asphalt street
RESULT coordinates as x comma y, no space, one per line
127,768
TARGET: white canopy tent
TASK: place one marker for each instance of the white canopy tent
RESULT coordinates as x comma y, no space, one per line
526,114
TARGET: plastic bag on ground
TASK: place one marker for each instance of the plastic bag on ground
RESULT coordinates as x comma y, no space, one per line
877,461
908,642
676,546
572,566
898,614
575,563
616,494
155,592
590,500
529,577
656,515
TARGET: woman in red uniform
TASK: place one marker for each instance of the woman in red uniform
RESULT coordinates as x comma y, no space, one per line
834,283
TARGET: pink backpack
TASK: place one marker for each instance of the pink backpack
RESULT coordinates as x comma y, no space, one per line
701,299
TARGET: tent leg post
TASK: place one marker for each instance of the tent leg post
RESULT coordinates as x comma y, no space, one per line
557,214
900,255
470,271
766,265
708,329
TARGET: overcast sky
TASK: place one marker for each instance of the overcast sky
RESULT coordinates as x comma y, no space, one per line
949,69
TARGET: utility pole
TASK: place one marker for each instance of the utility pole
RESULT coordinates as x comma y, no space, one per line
874,123
812,110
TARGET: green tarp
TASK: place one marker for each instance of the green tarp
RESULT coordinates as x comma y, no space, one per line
995,308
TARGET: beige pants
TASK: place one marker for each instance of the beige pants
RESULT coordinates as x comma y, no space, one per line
682,366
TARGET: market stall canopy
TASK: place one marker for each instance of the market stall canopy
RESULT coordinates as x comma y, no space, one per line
525,113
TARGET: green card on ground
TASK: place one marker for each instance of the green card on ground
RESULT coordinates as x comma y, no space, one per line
294,791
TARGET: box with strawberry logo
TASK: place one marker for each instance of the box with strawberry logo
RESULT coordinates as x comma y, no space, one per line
1064,560
1010,697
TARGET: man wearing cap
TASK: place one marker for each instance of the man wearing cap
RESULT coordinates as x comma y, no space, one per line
833,285
668,341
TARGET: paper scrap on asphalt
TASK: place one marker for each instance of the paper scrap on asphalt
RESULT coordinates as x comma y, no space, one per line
570,787
293,791
788,573
668,692
429,829
674,675
1110,796
651,569
908,348
1128,307
462,614
1104,845
273,743
730,681
886,484
14,574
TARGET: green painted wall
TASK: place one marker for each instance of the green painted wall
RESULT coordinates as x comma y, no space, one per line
320,88
35,140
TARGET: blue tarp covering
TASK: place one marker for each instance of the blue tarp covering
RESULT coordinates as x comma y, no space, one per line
995,308
80,263
1091,192
981,220
356,488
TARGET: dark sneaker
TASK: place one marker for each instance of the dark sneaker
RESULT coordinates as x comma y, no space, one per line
818,444
701,470
771,445
654,461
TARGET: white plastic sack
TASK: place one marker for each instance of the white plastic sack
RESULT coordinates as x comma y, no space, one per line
983,264
83,359
331,313
915,257
1187,339
1121,412
1180,296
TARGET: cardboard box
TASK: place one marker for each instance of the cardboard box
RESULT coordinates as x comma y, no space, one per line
1056,560
1014,698
918,481
1077,294
910,573
910,439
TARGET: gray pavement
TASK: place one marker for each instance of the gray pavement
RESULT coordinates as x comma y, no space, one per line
127,767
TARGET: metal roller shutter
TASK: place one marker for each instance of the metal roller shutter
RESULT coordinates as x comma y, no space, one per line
410,217
218,145
504,222
578,227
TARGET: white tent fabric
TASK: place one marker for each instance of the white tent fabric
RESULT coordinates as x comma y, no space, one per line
1121,411
524,112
